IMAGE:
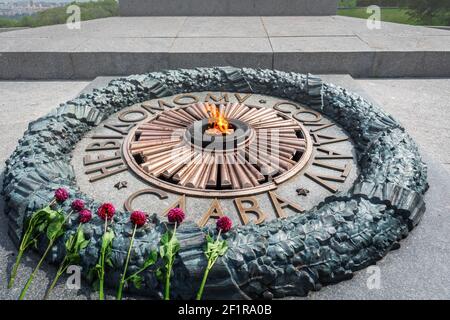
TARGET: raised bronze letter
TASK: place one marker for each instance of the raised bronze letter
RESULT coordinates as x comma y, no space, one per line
223,97
129,202
88,160
180,203
103,145
254,209
279,204
215,211
105,171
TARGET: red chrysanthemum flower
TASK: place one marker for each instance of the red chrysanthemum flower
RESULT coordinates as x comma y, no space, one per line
106,210
61,195
224,224
85,215
176,215
77,205
138,218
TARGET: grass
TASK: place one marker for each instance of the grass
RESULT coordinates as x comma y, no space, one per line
397,15
89,11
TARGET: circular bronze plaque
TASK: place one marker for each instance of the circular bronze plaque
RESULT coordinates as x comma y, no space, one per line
174,151
278,158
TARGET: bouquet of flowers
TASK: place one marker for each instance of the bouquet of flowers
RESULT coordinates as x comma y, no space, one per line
55,230
35,226
74,244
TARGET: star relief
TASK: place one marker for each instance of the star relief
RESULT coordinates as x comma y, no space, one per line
121,184
302,192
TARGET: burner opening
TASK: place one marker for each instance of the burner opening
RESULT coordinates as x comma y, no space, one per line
202,135
138,158
297,156
299,134
218,124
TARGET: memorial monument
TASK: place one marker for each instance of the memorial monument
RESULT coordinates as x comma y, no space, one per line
343,186
317,181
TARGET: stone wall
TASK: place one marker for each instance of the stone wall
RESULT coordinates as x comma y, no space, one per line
227,7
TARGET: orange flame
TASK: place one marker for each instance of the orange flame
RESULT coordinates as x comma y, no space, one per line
216,119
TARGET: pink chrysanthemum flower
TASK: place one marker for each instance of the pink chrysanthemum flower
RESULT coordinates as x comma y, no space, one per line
176,215
106,210
77,205
61,195
85,216
224,224
138,218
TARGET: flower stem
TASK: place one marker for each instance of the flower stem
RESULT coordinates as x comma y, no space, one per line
14,270
59,273
30,279
136,273
50,244
202,285
211,262
122,281
167,286
22,247
101,294
169,270
62,267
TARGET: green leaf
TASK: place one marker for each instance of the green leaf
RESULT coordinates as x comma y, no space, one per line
165,237
169,247
106,248
136,280
109,262
159,274
215,249
151,260
84,244
162,251
176,248
80,241
73,259
223,249
55,230
70,242
34,242
107,239
74,244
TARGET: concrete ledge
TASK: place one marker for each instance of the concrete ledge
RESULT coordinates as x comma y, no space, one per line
126,45
88,65
227,7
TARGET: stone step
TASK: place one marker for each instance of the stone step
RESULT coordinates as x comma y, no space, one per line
126,45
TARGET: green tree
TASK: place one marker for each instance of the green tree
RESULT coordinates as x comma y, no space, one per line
89,10
427,10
